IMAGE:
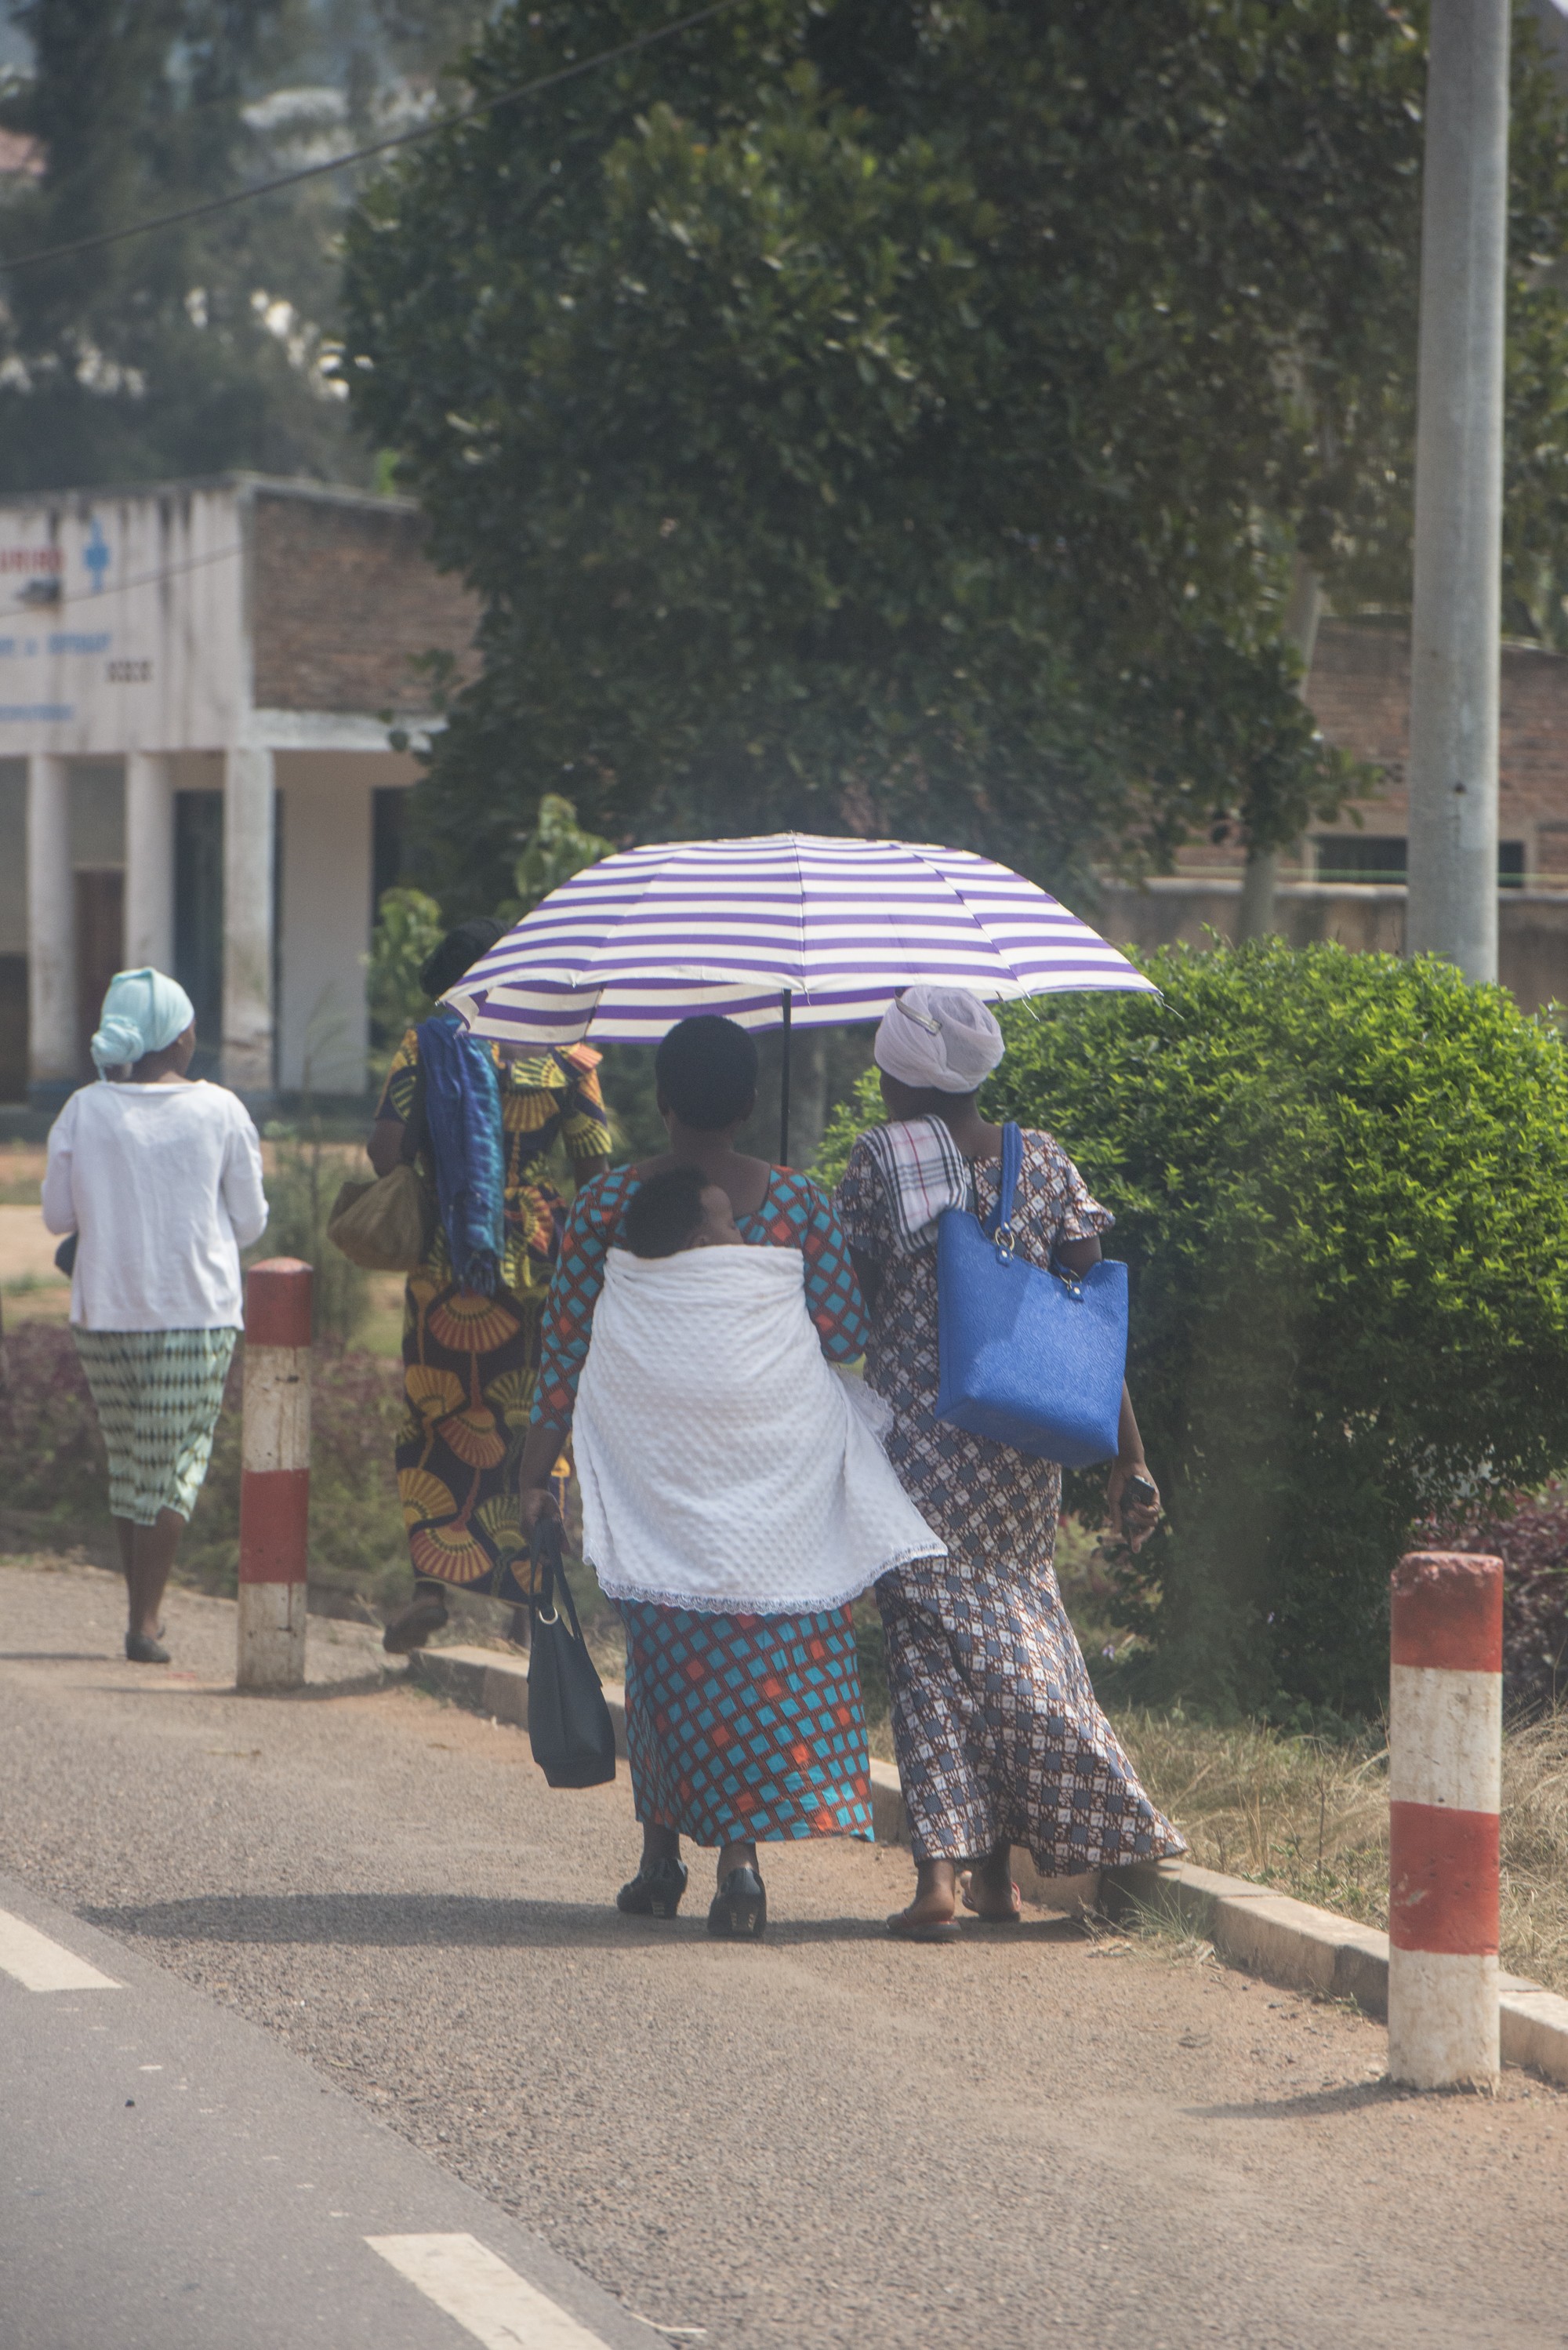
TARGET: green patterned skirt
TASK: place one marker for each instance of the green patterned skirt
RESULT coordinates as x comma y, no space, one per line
158,1394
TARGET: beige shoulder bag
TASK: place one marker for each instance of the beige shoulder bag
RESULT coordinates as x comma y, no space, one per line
387,1225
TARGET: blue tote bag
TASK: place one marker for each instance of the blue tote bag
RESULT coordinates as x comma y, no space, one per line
1034,1359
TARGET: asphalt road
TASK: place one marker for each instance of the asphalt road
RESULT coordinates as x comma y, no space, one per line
173,2179
829,2141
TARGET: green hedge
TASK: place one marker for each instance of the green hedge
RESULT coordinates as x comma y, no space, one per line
1341,1183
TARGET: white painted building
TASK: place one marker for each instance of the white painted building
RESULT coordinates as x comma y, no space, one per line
194,766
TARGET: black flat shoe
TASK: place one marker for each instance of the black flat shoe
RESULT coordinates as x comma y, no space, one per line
653,1892
413,1625
144,1652
740,1910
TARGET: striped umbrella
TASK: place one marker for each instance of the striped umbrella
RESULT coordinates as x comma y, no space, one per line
789,929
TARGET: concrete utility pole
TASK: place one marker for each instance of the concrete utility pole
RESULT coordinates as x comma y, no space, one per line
1456,623
1261,876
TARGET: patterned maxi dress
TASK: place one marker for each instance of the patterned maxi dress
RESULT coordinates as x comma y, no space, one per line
471,1363
737,1727
997,1728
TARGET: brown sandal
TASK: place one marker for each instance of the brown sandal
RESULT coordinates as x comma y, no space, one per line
906,1927
1013,1917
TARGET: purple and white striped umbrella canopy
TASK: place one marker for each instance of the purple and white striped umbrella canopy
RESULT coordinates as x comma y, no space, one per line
628,947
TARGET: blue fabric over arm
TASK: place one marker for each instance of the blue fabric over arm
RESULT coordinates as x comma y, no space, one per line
462,1113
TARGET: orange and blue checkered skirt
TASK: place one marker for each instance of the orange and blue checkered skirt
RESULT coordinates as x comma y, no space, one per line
745,1727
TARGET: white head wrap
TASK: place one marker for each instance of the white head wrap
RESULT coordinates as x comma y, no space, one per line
143,1011
939,1036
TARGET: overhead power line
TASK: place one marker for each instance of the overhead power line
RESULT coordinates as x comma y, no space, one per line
377,147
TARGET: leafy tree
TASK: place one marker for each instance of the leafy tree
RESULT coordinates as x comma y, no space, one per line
201,347
861,415
149,357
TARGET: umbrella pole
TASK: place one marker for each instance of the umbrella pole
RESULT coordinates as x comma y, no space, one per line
783,1087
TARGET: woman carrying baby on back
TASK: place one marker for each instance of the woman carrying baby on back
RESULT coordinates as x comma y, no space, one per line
734,1501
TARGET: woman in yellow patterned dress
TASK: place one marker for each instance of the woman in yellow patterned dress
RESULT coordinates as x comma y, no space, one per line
471,1355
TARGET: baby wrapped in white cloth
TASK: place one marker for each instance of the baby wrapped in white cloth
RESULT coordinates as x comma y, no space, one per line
722,1462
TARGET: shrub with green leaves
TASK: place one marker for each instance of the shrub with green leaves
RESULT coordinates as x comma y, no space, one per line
408,928
1341,1184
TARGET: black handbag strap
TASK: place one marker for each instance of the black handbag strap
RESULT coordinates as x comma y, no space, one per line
549,1588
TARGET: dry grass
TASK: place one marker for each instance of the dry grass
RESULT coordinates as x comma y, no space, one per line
1536,1851
1307,1815
1312,1818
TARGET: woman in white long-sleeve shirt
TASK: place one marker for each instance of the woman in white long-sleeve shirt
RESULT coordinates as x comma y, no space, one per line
160,1177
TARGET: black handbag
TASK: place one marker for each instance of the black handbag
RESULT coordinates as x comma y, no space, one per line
569,1725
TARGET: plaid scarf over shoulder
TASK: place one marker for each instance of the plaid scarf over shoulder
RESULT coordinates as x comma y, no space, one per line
924,1171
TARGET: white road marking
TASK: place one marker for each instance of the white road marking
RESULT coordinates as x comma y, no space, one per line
38,1964
491,2301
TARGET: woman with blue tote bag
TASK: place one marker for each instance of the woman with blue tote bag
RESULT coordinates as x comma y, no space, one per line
999,1737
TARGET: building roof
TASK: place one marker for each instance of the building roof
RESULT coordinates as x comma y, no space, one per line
272,485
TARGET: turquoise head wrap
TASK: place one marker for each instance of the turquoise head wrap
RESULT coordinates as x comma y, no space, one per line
142,1012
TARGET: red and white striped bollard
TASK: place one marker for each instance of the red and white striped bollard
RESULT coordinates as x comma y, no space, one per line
1445,1791
275,1482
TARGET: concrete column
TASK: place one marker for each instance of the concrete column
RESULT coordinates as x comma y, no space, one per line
1456,614
149,862
51,929
248,855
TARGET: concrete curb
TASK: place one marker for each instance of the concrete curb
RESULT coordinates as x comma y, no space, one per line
1286,1942
1291,1942
488,1682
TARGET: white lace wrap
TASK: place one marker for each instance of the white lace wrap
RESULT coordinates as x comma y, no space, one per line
722,1465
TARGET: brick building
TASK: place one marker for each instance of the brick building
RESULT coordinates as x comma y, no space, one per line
194,766
1346,881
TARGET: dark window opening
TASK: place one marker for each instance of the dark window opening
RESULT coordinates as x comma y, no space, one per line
199,914
13,1028
1381,856
388,829
277,818
100,948
1360,857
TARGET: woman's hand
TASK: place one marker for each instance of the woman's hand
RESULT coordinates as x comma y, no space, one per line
1132,1520
542,1448
385,1146
533,1502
